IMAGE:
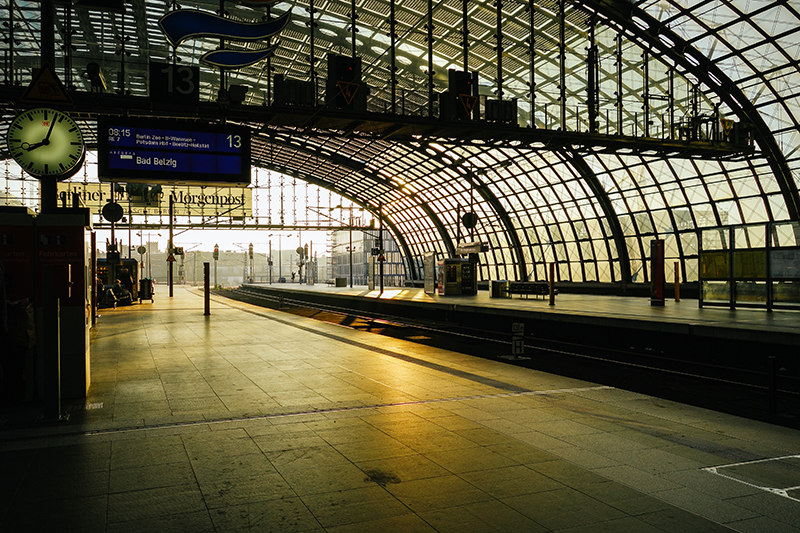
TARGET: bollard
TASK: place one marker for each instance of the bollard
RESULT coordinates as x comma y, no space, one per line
773,384
206,288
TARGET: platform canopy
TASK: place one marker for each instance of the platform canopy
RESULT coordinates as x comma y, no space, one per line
633,120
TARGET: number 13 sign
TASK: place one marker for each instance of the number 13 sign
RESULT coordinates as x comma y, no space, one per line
174,83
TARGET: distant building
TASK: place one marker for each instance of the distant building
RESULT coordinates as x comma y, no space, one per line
230,270
362,243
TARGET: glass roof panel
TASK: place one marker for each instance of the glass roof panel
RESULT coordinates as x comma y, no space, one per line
581,208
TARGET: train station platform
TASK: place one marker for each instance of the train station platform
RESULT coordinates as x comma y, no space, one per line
741,361
252,419
636,312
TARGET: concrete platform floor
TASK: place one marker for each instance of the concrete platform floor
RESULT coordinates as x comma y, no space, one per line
583,306
255,420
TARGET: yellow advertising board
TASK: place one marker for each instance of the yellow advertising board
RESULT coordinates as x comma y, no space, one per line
750,264
138,199
714,265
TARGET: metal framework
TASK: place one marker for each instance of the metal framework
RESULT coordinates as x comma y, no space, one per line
623,114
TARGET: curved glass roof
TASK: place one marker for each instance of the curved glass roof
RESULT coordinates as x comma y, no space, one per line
659,69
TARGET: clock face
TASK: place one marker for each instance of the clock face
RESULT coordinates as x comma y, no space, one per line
46,142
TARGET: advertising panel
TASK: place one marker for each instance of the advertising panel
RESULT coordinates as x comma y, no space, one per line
785,263
141,199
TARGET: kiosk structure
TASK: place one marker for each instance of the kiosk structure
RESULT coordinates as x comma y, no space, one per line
47,263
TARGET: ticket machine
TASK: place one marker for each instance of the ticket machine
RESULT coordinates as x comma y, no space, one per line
457,277
63,248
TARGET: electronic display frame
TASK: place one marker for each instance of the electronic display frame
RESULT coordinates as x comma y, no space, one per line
157,151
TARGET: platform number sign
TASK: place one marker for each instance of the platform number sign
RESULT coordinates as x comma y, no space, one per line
174,83
517,338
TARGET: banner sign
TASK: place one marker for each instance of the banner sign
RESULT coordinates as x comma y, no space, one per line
141,199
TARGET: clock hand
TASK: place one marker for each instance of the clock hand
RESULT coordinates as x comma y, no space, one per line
44,141
47,137
37,145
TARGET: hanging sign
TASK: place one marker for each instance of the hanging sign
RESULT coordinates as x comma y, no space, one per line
172,152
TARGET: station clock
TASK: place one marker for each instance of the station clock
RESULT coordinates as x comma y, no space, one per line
46,143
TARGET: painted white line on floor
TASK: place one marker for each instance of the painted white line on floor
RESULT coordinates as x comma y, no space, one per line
774,490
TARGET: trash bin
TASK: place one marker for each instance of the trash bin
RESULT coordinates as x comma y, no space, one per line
341,282
146,289
499,289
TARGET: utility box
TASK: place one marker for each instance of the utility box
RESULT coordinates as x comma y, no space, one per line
499,289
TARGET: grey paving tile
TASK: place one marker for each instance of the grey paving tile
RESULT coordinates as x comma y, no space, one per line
655,461
706,505
585,458
214,468
542,441
403,468
150,476
521,452
470,459
407,523
125,410
562,428
674,519
15,462
70,460
323,479
436,493
74,515
46,490
776,507
220,444
484,517
287,440
644,481
347,431
484,436
511,481
433,441
626,499
196,522
244,487
381,448
197,404
363,504
567,473
620,525
285,515
762,524
159,502
563,508
604,442
140,451
711,484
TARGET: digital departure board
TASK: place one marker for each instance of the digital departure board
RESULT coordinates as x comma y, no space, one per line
173,152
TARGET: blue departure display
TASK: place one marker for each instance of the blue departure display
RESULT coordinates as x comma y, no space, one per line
170,152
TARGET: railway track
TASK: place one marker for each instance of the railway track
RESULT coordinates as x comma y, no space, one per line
744,389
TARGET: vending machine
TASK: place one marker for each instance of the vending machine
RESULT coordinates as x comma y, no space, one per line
457,277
